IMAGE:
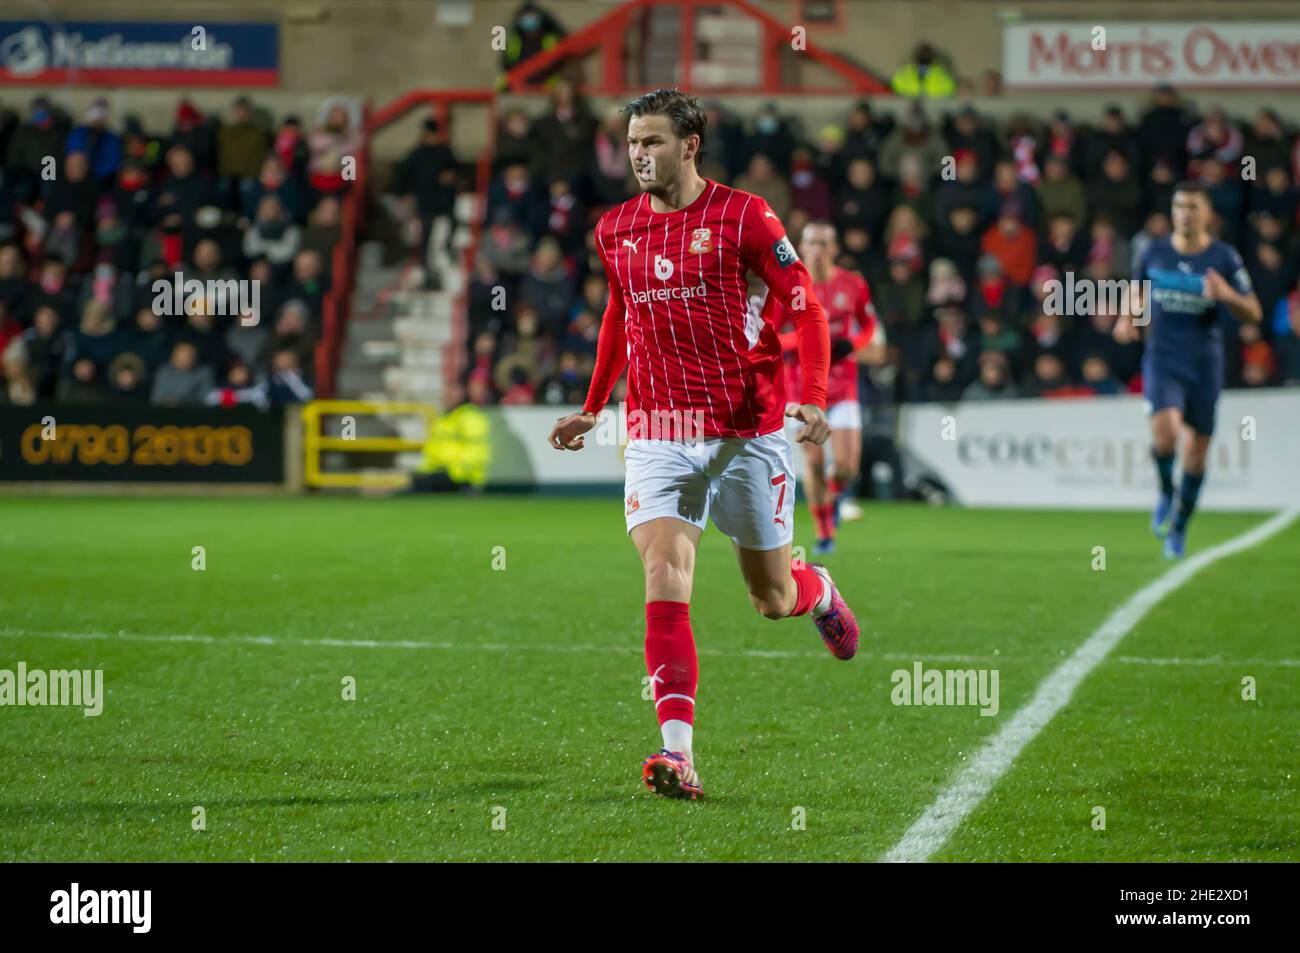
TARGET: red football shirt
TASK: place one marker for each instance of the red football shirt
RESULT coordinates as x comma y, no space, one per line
679,319
846,298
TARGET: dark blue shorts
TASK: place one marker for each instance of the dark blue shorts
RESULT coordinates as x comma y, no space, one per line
1195,396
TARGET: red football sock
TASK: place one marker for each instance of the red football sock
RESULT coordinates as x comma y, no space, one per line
834,487
825,517
808,587
670,660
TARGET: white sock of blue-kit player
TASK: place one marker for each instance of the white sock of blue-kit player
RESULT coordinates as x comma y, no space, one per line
677,736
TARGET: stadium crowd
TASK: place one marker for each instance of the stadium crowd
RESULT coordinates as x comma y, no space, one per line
94,209
958,263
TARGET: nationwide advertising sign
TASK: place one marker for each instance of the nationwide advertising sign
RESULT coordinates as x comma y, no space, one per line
135,53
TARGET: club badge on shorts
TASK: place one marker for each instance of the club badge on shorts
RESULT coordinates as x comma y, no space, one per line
702,241
633,504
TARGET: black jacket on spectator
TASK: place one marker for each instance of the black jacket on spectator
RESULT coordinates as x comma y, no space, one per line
46,356
135,207
186,196
563,144
1100,143
1281,205
980,142
552,296
1267,151
962,250
1162,134
13,297
64,301
420,174
955,194
76,197
1071,258
862,208
725,143
1121,200
27,151
777,145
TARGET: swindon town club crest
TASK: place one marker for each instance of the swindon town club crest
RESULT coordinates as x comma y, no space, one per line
702,241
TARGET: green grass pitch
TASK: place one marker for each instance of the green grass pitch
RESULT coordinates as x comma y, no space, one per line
492,697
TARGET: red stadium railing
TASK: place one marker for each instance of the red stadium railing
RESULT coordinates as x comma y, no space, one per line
607,35
337,306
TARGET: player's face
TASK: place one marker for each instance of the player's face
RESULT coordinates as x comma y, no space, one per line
657,154
1191,212
818,247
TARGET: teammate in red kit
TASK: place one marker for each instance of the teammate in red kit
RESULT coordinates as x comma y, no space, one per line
846,299
708,373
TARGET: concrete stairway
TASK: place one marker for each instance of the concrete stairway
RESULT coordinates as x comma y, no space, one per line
394,349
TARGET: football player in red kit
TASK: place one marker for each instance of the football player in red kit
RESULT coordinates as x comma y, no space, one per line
709,374
846,299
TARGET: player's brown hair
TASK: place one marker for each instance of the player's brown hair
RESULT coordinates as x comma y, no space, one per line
1192,188
682,110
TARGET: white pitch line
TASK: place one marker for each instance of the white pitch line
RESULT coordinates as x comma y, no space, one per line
267,640
199,639
1212,660
973,782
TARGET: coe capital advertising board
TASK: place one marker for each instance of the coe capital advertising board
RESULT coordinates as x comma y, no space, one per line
1096,453
58,442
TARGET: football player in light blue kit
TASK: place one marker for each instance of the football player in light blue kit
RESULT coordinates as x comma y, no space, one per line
1196,282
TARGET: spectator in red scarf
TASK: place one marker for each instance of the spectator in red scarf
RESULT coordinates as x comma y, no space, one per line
332,144
1214,135
566,217
195,133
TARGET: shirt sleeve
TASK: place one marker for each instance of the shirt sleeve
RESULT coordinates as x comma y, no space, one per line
866,316
781,317
611,345
1140,268
1237,275
767,251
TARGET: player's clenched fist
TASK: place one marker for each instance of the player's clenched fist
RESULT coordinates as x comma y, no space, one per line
1125,332
817,429
567,432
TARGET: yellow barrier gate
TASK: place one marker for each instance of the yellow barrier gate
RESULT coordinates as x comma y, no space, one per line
314,442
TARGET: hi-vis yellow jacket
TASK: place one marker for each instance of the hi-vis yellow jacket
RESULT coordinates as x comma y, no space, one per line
459,442
937,82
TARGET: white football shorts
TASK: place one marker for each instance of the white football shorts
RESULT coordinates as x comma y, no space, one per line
746,484
845,415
